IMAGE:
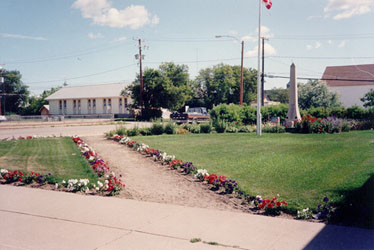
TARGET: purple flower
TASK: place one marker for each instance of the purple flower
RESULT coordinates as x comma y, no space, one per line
319,207
325,199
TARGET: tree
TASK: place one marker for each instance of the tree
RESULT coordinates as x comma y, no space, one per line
14,92
316,94
278,95
368,99
35,103
167,87
221,84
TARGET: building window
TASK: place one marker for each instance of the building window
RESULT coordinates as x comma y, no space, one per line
104,103
79,104
60,104
109,103
74,104
89,104
125,102
64,104
94,103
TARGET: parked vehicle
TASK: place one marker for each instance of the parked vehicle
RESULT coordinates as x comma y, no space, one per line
197,115
2,118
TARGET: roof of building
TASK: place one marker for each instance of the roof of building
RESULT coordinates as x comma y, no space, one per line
352,75
44,107
88,91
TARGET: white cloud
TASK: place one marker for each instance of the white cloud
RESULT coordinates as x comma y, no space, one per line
265,32
101,13
342,44
317,45
95,36
348,8
249,38
18,36
269,51
121,39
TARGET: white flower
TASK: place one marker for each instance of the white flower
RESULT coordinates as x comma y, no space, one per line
201,173
258,197
4,171
106,181
97,188
56,186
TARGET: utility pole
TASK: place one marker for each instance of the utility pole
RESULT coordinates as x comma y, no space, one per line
3,91
140,57
241,76
263,71
141,74
241,67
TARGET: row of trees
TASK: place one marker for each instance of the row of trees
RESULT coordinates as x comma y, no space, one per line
169,86
16,98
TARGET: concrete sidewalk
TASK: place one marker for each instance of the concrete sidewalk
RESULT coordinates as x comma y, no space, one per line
40,219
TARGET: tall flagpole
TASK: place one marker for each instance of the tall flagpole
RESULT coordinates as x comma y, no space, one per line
259,122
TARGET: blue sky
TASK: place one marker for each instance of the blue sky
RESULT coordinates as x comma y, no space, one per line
91,41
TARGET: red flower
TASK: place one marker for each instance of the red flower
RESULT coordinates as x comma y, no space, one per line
222,178
274,198
19,179
278,203
270,205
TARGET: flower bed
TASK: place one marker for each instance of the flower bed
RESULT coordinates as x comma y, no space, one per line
109,184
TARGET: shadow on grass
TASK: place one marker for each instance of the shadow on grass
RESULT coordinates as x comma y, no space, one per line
357,206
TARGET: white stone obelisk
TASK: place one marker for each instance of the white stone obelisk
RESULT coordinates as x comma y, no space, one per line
293,114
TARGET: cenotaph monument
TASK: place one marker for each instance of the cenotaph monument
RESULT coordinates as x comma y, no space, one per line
293,114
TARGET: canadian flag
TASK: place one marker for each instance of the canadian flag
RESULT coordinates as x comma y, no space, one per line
268,4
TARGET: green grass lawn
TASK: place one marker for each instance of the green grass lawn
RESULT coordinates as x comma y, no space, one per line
301,168
58,156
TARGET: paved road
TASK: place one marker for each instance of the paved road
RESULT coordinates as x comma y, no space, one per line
61,130
40,219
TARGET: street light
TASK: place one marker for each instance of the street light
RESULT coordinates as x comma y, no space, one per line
241,67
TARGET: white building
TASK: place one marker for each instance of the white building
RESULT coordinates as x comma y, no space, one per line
350,82
104,99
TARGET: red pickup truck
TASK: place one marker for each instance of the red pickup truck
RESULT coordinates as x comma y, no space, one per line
197,115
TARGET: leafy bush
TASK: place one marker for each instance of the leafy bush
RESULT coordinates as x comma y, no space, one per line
228,113
232,129
319,112
248,115
245,129
149,114
157,129
220,126
170,128
205,128
356,113
133,132
145,131
195,128
269,128
274,111
121,131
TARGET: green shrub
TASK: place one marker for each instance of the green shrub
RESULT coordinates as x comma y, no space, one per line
319,112
149,114
121,131
157,129
195,128
356,113
170,128
133,132
205,128
268,128
145,131
220,126
339,112
232,129
248,115
244,129
274,111
228,113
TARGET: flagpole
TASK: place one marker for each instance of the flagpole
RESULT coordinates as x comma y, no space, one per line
259,122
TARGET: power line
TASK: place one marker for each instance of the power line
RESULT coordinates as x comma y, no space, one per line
84,76
322,79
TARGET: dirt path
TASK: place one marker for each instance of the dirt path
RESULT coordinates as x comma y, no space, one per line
149,181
